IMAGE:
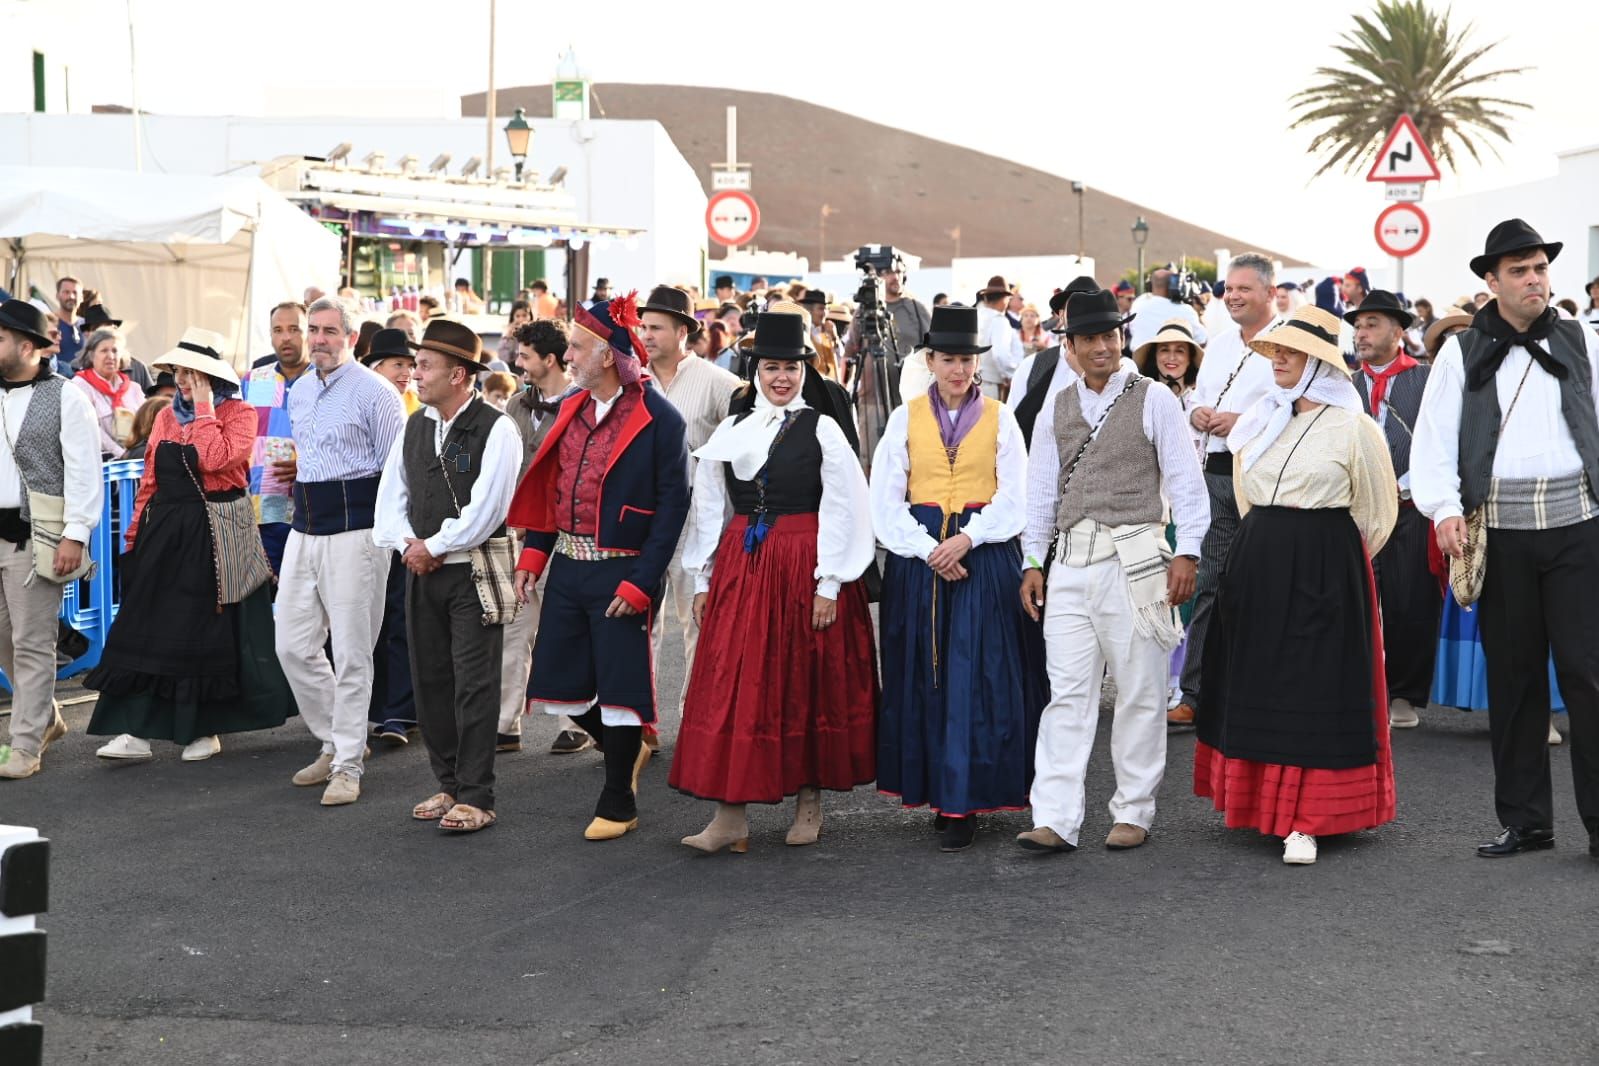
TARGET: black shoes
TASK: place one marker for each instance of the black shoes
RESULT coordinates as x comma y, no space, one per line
958,834
570,742
1516,839
504,742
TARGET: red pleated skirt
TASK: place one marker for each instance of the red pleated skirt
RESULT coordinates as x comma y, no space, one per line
774,705
1279,800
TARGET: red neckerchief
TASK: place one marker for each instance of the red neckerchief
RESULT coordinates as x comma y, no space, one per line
1378,379
100,385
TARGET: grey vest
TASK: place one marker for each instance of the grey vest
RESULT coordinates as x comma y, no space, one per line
520,410
37,443
461,459
1402,402
1117,482
1480,414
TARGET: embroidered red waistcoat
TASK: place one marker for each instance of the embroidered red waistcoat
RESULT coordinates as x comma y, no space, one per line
585,450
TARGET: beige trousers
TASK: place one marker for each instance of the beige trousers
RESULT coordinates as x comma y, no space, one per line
28,645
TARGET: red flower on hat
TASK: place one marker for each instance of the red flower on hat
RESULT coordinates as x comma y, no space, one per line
624,310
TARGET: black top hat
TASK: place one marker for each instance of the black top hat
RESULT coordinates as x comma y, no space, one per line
953,329
448,337
670,300
1057,302
814,296
390,344
163,380
602,283
1511,235
724,281
1088,313
95,316
1381,301
19,316
780,336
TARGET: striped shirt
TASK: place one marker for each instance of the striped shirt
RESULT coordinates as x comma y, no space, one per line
344,424
701,392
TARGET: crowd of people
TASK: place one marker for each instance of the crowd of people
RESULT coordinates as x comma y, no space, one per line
1287,521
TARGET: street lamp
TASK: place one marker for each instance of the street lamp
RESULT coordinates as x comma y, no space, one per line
1079,188
517,134
1140,235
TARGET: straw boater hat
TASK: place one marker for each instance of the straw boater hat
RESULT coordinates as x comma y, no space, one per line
1177,331
199,350
454,339
1309,330
1454,318
838,313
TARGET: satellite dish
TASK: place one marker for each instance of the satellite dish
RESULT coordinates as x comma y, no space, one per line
471,166
440,163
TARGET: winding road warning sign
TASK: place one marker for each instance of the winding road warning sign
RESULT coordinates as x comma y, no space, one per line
1404,156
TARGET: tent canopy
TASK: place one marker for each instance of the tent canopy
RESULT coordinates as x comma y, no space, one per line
165,251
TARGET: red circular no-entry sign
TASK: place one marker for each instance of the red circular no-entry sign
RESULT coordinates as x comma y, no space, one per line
732,217
1402,229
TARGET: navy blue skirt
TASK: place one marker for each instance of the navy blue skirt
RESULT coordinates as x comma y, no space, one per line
964,681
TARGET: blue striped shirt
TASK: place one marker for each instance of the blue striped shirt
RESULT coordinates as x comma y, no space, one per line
343,424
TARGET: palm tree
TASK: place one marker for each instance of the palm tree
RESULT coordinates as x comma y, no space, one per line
1404,58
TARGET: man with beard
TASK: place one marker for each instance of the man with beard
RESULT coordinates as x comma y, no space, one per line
266,388
71,335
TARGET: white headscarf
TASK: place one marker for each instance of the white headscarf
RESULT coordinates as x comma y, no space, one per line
1258,428
747,442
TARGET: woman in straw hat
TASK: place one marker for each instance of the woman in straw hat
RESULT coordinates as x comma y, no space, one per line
180,664
1294,742
782,698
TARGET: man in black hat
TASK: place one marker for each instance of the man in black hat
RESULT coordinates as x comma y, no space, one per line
1108,455
1041,376
726,291
700,390
1508,424
447,484
53,450
1004,353
1391,385
602,289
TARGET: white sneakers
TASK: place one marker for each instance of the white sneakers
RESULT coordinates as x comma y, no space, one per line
1299,849
201,749
126,748
1401,715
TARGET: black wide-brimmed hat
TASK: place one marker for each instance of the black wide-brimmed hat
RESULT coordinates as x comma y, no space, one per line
814,296
780,335
19,316
953,330
1511,235
1381,301
391,344
1088,313
449,337
163,380
672,301
95,316
1057,302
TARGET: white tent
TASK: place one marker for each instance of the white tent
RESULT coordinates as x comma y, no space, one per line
165,251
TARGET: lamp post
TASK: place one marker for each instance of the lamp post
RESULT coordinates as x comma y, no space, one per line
517,135
1140,235
1079,188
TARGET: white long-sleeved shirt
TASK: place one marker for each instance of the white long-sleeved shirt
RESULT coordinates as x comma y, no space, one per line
82,486
1535,442
1064,375
1154,312
480,515
1004,353
1165,426
844,545
900,532
1225,354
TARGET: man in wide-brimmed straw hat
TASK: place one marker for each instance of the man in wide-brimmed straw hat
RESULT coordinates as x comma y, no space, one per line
1508,424
1391,384
1106,456
54,454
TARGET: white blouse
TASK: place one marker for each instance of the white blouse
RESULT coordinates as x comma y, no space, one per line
844,547
1002,519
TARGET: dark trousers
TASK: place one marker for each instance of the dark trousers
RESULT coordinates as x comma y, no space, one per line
274,537
1541,594
455,665
1411,603
392,698
1212,562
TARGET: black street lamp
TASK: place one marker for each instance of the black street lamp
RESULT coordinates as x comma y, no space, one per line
518,134
1140,235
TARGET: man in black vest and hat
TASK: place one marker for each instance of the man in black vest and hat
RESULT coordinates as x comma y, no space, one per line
445,491
1042,376
1508,424
1391,384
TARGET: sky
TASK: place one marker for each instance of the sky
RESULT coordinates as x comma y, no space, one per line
1179,106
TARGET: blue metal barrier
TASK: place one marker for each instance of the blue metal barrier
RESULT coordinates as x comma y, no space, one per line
90,606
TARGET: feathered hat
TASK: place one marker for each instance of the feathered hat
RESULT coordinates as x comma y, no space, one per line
613,323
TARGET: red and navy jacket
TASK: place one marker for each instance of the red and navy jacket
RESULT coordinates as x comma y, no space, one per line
643,496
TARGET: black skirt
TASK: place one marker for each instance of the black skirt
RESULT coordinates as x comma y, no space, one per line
1287,669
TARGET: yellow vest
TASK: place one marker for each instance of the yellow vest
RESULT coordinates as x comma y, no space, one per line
970,479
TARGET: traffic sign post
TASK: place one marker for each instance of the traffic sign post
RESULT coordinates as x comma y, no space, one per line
1404,164
1404,156
1402,231
732,217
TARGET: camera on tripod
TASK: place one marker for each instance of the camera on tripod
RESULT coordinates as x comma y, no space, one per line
1186,286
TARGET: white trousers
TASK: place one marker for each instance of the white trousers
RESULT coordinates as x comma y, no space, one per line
1088,623
28,632
516,663
678,594
332,585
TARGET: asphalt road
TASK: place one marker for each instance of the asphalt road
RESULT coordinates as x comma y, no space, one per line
212,913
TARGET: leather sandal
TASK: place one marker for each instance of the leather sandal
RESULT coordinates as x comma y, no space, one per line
433,808
465,818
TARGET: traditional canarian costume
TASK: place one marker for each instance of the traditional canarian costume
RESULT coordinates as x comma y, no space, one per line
774,706
1293,731
603,504
963,684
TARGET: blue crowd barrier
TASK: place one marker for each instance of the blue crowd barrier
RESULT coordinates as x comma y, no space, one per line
90,606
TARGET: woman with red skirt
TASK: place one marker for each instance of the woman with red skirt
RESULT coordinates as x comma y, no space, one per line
1293,721
782,698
